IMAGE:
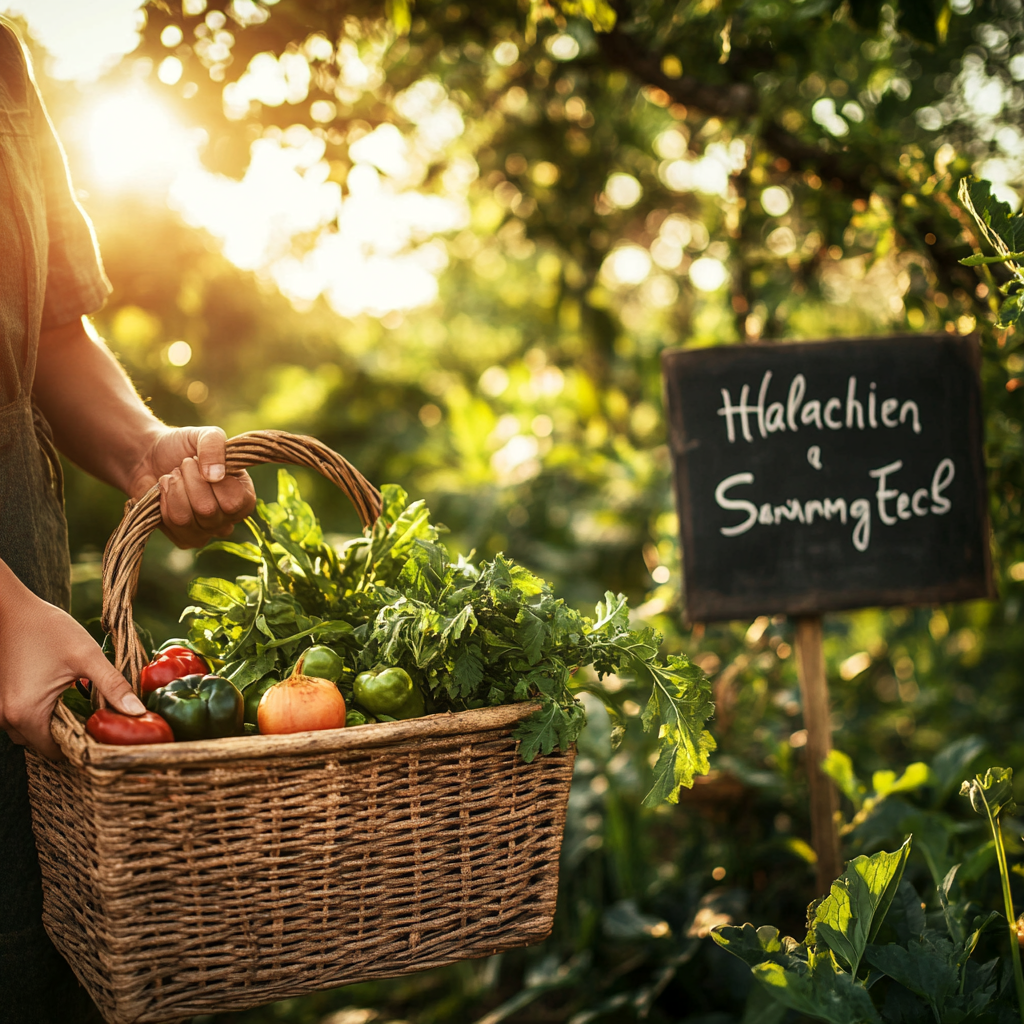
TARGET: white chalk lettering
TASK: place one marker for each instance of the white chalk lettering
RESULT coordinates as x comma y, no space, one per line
906,505
811,413
797,388
943,477
791,510
851,412
728,410
853,407
861,511
883,494
730,504
761,395
837,507
833,403
775,418
910,406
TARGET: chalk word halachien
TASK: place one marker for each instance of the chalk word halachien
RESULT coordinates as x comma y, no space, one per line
772,417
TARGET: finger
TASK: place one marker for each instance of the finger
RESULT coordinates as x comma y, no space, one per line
33,730
174,504
113,686
199,494
40,741
211,450
235,496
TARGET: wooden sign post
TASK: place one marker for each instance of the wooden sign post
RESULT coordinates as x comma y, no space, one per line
823,476
810,667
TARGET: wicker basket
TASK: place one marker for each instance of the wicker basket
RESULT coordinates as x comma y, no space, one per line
195,877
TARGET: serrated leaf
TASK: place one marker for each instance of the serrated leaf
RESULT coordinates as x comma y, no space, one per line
680,704
467,671
532,634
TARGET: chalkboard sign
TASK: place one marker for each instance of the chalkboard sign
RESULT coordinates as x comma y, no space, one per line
827,475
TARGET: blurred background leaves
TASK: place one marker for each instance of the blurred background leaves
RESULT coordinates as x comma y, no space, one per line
452,240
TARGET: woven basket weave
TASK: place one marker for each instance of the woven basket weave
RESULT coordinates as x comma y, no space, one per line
189,878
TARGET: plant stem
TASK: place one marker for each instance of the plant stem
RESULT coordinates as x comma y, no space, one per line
1011,918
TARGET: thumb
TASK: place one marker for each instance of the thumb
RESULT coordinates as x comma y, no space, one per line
211,452
114,686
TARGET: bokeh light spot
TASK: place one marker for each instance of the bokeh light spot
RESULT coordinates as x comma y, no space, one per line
179,353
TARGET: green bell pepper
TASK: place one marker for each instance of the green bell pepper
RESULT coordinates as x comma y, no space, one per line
253,693
390,692
200,707
321,662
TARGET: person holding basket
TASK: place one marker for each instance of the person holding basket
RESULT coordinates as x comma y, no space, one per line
62,390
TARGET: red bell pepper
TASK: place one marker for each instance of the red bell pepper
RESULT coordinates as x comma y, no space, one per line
170,664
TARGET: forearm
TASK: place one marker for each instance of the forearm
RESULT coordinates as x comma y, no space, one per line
98,419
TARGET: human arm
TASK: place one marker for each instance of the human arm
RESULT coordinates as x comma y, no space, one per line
101,424
44,649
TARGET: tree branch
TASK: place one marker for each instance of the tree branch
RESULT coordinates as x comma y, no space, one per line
738,101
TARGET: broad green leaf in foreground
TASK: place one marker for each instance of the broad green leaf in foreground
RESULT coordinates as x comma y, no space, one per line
850,916
822,993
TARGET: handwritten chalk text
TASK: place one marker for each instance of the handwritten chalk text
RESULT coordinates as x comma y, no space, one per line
851,412
890,503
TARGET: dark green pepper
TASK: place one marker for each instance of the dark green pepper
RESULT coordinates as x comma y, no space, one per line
355,717
390,692
200,707
321,662
252,694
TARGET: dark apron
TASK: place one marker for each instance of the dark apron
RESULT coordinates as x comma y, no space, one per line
36,985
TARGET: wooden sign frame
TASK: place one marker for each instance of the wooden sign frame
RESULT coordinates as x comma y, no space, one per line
832,384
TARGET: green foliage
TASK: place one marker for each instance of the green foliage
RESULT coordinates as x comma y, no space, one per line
472,636
1004,232
820,977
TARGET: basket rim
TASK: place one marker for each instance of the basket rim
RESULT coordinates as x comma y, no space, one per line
68,730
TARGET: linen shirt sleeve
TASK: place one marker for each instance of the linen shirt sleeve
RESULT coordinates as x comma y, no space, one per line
75,282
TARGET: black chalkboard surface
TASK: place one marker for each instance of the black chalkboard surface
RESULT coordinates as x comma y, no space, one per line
827,475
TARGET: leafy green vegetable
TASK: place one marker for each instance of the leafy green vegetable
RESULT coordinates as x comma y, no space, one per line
470,635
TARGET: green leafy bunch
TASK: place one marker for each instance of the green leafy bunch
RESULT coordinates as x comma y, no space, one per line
471,635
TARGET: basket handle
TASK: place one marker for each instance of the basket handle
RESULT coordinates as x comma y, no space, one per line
122,558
